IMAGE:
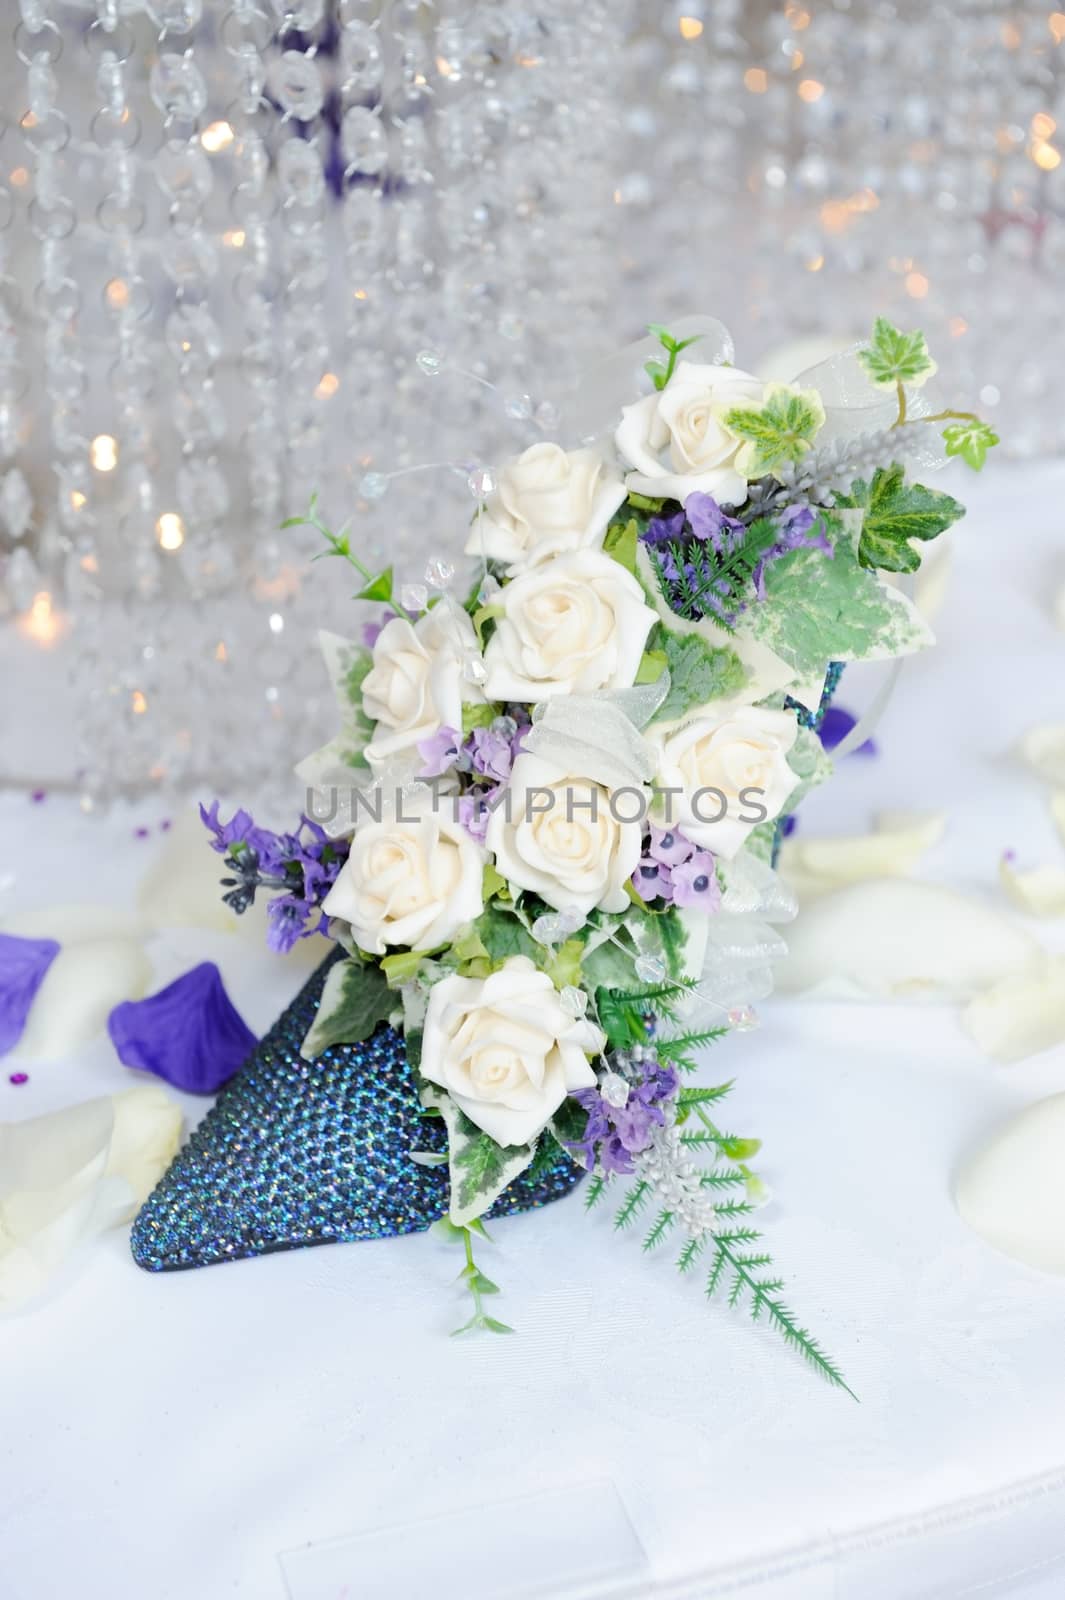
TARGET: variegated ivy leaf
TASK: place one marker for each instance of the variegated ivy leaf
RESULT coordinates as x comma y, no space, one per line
971,440
347,665
354,1000
479,1168
699,672
821,608
781,429
894,357
894,512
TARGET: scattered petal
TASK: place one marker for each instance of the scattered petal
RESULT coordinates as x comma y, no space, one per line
18,1078
891,938
1012,1191
74,922
67,1176
1043,747
835,726
190,1033
814,866
1040,891
23,964
1020,1015
79,989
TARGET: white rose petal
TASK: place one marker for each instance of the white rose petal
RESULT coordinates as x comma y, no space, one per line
505,1049
1021,1014
558,836
814,866
736,761
676,441
548,502
416,684
414,878
1012,1191
1040,891
575,625
1043,747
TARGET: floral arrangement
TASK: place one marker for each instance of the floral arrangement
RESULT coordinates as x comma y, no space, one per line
544,834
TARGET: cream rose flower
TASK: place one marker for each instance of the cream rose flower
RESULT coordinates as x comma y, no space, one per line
505,1050
559,834
412,878
725,773
675,440
548,501
416,684
575,625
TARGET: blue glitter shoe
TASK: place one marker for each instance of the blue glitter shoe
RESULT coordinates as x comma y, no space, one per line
297,1153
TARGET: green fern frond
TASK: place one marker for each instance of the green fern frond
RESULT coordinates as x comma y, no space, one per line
594,1191
702,1139
659,1228
693,1249
632,1205
722,1178
678,1048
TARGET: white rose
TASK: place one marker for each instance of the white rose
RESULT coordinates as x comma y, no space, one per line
413,878
573,626
713,761
557,835
505,1050
676,441
548,501
416,684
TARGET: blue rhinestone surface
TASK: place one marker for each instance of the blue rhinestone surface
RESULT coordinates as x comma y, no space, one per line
297,1153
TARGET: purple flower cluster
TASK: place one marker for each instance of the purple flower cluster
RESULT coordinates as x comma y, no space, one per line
677,872
486,756
614,1133
303,866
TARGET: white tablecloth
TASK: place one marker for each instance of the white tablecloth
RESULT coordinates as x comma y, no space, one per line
166,1437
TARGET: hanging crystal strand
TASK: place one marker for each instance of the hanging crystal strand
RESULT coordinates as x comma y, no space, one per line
300,91
16,499
189,258
115,130
53,218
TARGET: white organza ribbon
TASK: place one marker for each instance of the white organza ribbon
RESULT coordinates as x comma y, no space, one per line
67,1176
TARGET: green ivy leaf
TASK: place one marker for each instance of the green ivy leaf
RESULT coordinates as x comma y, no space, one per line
354,1000
401,967
503,935
645,502
893,357
698,672
479,1168
564,966
481,715
780,429
896,512
379,588
652,665
970,440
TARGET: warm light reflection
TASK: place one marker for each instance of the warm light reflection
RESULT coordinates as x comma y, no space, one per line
233,238
170,530
756,79
41,623
103,452
815,263
690,27
1043,125
916,285
138,703
1056,24
1045,156
216,136
810,90
20,177
328,385
220,651
958,326
798,18
117,294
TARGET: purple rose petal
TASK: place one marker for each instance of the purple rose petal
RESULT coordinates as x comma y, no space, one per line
835,726
190,1033
23,964
695,883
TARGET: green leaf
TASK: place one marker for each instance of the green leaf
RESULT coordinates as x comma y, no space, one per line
569,1123
893,357
781,429
620,543
502,935
564,966
655,370
401,967
354,1000
820,608
652,665
379,588
645,502
492,881
481,715
971,440
894,512
482,617
479,1168
698,672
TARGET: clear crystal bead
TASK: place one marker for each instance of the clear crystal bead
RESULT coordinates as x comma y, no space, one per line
22,579
573,1001
474,671
547,929
546,416
297,82
743,1019
176,85
16,503
414,597
519,407
373,485
480,482
429,362
175,16
364,141
614,1089
361,64
650,969
439,574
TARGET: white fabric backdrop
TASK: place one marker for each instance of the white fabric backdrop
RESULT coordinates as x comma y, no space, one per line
165,1437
